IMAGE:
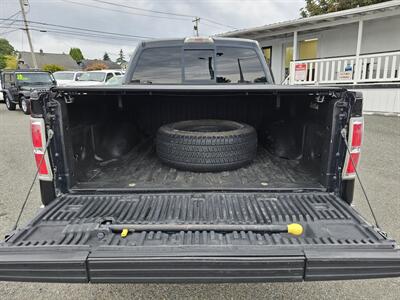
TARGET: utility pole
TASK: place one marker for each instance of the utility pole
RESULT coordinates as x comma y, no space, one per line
27,33
196,25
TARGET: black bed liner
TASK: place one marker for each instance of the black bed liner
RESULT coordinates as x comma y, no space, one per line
141,169
67,242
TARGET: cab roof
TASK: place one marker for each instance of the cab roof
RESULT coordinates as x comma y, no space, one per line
197,40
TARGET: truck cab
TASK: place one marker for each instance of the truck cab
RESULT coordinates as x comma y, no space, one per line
199,168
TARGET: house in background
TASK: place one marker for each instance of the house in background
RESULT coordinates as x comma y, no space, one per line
42,59
357,48
124,65
110,64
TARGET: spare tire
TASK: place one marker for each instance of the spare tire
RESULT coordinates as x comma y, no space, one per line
206,145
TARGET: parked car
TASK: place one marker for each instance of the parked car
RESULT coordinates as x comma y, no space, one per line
91,78
17,86
116,80
67,77
197,169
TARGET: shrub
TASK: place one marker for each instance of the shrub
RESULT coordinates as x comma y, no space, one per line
52,68
8,62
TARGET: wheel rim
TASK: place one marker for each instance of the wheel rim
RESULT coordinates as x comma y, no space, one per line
23,105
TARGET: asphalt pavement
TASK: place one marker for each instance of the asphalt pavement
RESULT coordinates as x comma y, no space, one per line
379,170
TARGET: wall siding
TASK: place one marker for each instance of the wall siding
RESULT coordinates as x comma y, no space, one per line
382,100
380,35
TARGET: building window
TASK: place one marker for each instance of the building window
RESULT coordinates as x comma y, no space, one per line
288,58
268,54
308,49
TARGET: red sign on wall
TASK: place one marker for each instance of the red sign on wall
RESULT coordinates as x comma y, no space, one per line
300,72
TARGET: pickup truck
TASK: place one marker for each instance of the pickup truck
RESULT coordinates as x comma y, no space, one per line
67,77
93,78
197,169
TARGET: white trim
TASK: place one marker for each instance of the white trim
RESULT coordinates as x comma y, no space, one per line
358,50
382,68
295,46
376,11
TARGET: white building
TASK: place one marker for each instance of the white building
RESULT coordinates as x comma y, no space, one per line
358,48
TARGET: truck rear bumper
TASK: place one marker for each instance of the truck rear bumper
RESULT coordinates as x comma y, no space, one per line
78,265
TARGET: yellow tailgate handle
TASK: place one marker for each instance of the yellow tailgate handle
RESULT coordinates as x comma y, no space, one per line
124,232
295,229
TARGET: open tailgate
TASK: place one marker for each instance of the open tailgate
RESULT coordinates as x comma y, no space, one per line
69,240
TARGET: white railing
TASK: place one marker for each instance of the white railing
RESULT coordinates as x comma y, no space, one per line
370,68
286,81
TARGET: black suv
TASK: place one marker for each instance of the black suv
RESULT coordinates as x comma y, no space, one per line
17,85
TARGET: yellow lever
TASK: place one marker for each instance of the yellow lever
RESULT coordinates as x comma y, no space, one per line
295,229
124,232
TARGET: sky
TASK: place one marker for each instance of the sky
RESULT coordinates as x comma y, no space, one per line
118,16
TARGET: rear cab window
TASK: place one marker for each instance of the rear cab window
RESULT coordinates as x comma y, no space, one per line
239,65
198,65
159,66
189,65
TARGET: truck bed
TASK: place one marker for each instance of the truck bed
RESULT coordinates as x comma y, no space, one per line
141,169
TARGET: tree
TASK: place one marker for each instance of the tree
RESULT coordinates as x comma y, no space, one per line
96,66
121,58
2,62
320,7
10,62
76,54
53,68
106,57
6,49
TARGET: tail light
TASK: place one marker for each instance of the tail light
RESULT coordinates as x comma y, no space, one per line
354,141
39,146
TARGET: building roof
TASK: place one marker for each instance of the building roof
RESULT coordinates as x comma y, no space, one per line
110,64
42,58
384,9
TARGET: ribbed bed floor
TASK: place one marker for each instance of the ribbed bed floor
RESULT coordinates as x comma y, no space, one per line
74,219
71,239
141,169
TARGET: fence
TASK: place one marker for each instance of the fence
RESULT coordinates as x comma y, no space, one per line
370,68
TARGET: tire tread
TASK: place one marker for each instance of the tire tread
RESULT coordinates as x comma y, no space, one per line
218,151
